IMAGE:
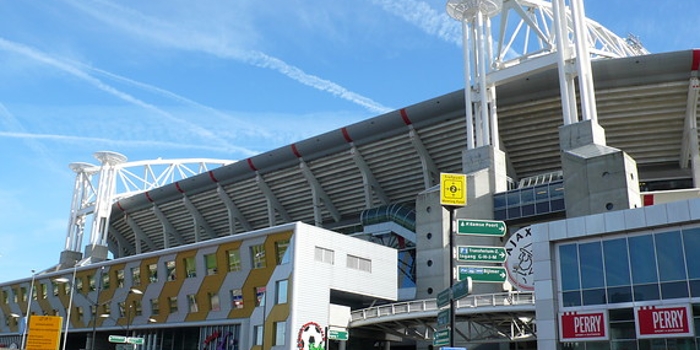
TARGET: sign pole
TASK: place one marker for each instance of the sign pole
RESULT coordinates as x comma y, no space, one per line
453,318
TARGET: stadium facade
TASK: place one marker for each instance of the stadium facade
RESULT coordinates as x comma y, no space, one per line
599,197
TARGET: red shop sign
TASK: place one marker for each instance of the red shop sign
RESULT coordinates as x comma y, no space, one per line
583,325
664,321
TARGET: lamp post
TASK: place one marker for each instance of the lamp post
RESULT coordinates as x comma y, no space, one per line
28,312
94,310
70,301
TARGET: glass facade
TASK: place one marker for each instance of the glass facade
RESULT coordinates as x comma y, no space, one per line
529,201
652,266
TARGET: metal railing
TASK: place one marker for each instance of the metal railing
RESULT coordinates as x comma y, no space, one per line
429,306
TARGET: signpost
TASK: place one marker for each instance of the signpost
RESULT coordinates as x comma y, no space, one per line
486,274
453,189
444,297
462,288
481,254
441,337
44,332
120,339
481,227
337,334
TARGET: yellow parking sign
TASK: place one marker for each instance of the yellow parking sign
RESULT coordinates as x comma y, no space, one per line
453,189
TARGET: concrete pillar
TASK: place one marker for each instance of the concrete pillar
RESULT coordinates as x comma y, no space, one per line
597,178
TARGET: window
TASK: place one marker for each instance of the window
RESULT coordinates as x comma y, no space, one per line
257,253
122,308
258,334
170,270
281,289
5,297
44,290
324,255
25,294
192,303
92,284
280,333
172,304
259,296
234,260
79,312
210,263
190,267
78,286
357,263
237,299
137,307
281,250
153,273
55,289
105,281
155,306
214,304
136,276
120,278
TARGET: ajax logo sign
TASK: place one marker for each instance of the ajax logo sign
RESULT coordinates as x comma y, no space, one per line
519,261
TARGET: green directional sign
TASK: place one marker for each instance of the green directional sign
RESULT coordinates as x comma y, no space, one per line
337,334
134,340
443,317
481,254
444,297
441,337
483,273
117,339
481,227
462,288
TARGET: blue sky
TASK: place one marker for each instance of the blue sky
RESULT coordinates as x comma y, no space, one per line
217,79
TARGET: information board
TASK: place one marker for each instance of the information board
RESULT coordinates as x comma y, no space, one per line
44,332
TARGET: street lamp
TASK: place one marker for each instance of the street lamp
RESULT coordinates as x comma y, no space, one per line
29,306
95,305
70,301
128,308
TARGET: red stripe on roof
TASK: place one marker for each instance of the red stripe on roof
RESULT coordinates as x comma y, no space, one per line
346,135
179,189
119,205
296,151
696,60
212,177
148,196
404,116
251,165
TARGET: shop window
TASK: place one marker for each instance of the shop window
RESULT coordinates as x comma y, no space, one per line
257,253
210,263
153,273
260,296
281,250
170,270
136,276
155,306
280,333
281,291
214,303
237,299
172,304
192,303
190,267
234,260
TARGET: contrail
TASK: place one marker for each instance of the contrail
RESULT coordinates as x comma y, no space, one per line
73,70
426,18
174,36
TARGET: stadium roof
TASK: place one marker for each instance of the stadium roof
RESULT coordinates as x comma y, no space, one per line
644,104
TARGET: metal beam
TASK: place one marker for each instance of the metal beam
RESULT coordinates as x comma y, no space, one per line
168,228
319,194
273,204
431,174
369,181
199,220
233,212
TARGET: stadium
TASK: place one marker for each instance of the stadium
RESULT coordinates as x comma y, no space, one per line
584,153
